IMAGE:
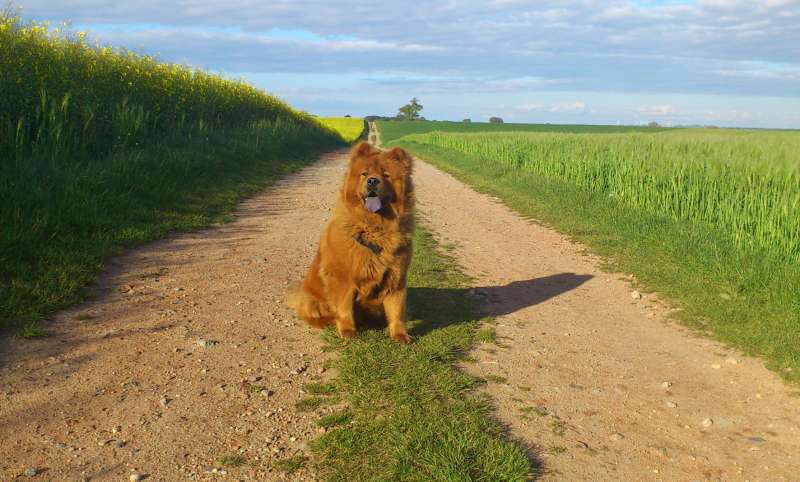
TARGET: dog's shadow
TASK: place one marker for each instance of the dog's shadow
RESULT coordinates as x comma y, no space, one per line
439,307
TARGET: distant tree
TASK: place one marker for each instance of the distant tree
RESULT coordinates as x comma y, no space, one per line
348,115
467,121
495,120
411,110
653,124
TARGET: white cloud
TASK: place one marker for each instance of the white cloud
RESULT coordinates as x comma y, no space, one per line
575,106
564,107
658,110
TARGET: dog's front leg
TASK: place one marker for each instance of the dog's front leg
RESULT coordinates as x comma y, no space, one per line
394,305
345,320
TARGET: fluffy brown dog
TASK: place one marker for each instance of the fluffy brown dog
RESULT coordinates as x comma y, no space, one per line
360,269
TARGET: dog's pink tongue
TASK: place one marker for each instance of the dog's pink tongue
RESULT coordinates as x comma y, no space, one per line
373,204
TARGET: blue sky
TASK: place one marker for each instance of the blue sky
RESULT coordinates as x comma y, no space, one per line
720,62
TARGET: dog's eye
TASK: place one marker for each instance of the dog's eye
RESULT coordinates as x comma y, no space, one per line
364,173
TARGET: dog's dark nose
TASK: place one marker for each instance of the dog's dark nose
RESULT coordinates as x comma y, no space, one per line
373,182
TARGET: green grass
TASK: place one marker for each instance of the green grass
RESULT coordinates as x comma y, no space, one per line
539,411
291,465
320,388
31,330
393,130
310,404
414,416
334,420
350,128
232,461
486,335
102,150
744,296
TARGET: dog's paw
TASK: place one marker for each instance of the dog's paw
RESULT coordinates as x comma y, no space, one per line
347,334
401,337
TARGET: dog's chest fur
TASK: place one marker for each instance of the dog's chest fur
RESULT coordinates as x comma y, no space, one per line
378,254
382,256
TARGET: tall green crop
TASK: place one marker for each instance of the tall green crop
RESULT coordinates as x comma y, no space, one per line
746,183
61,97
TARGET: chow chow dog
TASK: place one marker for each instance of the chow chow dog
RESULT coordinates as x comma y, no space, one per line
359,272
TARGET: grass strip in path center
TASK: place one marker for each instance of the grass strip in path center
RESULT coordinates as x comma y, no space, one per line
411,414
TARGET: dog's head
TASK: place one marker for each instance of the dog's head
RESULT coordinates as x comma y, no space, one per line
378,179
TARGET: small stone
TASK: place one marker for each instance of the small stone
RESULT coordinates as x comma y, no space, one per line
707,422
616,437
292,439
165,401
716,366
731,361
206,343
666,385
636,295
116,429
135,477
670,404
725,296
31,472
322,430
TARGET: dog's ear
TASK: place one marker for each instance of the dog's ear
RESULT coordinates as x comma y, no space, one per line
399,155
362,149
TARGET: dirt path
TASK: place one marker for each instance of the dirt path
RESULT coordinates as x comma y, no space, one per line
163,373
595,379
187,354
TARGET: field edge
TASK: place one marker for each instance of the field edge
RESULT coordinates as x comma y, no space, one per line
697,275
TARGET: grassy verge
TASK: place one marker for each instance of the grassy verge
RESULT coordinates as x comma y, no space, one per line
61,220
411,415
393,130
747,298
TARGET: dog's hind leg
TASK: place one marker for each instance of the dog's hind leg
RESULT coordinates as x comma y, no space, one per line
309,307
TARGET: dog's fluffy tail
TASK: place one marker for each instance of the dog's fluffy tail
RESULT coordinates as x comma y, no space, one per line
308,307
